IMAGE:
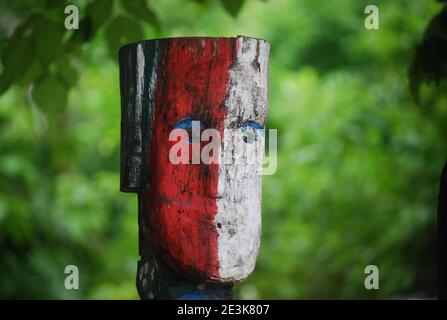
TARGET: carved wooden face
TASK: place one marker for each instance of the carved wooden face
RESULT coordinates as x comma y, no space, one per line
205,219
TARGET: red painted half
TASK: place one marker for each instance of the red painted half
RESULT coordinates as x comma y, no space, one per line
192,81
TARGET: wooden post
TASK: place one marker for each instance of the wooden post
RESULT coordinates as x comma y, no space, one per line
199,223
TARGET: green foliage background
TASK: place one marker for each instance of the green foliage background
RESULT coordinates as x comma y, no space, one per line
359,161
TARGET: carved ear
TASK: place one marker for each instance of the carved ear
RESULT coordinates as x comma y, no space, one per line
137,65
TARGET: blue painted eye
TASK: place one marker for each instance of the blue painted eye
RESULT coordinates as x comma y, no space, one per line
188,124
250,130
251,124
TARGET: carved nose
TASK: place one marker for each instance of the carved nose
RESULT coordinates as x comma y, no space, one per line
217,195
220,187
219,192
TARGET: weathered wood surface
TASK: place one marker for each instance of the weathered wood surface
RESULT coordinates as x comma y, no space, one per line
200,222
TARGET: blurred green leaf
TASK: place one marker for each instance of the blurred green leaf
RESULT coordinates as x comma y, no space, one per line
98,12
232,6
26,27
15,60
141,10
430,61
121,31
50,95
48,35
66,70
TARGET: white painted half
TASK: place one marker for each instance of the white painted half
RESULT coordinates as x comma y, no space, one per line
238,219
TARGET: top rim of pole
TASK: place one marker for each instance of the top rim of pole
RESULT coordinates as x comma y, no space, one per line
199,38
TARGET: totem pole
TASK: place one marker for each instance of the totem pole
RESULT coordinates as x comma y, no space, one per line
199,221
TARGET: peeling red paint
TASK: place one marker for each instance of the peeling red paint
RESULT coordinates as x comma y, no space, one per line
180,210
